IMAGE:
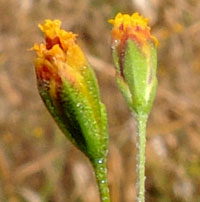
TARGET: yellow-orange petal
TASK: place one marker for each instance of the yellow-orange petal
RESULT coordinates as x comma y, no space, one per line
55,35
50,28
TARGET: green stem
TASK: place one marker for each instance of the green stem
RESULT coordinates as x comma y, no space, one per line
141,125
101,178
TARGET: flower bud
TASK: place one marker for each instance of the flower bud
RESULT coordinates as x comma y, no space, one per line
69,89
135,58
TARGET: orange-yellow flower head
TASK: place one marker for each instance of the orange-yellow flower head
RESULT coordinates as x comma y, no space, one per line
59,55
135,57
134,26
68,88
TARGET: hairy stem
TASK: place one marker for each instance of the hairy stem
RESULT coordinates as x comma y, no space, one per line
101,178
141,145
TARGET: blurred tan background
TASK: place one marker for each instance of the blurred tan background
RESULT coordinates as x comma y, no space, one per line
38,164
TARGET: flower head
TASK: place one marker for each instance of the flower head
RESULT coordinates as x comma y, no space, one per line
135,58
134,26
60,48
69,89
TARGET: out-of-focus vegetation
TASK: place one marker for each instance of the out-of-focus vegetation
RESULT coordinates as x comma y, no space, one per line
38,164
